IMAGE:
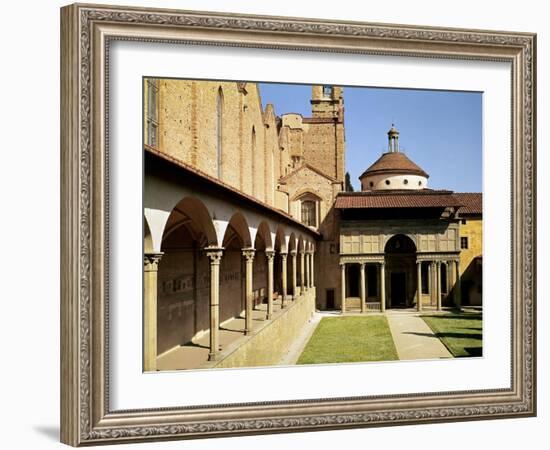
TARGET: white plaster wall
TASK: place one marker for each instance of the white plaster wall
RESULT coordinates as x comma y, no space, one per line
396,182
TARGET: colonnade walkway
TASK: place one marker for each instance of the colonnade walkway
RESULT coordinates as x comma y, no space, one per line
193,355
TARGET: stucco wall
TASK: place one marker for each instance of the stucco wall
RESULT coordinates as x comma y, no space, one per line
470,271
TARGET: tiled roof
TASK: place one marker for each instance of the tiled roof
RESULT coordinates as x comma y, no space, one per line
425,198
472,201
224,186
394,162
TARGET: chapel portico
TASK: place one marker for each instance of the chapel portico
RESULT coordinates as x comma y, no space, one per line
400,236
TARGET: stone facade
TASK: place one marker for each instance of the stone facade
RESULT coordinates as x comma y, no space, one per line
221,129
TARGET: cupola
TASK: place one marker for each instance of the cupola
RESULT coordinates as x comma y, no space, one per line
393,170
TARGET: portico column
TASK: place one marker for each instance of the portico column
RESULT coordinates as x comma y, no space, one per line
248,254
458,288
343,270
363,298
294,281
302,272
150,272
382,287
215,256
438,284
431,282
284,279
419,285
269,254
306,263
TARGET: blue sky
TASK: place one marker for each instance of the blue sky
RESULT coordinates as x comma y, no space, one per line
439,130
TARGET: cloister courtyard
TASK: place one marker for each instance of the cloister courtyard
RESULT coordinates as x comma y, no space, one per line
332,337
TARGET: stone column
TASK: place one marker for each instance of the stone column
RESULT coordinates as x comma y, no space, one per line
306,263
419,285
438,284
362,289
150,272
302,290
431,283
382,287
215,256
343,290
294,281
248,254
312,269
269,254
284,279
458,287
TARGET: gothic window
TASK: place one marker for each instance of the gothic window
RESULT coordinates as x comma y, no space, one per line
309,213
253,150
327,91
219,131
152,116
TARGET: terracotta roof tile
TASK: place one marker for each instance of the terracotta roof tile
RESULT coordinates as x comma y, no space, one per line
224,186
425,198
472,201
394,162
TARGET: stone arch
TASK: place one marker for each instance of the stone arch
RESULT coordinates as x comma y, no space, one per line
238,228
401,276
148,246
400,243
192,213
264,233
279,243
306,192
180,291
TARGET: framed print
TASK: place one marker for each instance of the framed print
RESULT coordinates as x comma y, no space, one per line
285,224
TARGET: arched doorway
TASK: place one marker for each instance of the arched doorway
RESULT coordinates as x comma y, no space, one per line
400,257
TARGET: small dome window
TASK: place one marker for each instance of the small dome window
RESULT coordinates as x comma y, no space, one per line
405,181
387,181
371,184
420,183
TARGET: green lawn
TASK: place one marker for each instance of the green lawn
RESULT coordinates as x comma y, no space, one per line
349,339
461,333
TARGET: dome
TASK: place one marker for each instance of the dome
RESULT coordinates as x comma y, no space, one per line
394,163
393,170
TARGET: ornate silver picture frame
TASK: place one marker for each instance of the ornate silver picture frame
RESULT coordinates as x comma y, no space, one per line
87,33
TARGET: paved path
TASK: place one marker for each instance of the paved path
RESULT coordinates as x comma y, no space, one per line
414,339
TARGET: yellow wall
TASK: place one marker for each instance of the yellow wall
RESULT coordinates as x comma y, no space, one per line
473,230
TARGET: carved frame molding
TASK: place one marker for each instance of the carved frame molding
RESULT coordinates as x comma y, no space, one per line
86,31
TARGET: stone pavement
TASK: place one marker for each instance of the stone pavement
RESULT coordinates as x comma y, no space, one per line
413,338
193,355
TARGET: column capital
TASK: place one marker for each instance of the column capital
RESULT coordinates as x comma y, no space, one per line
283,255
214,254
270,254
293,252
248,253
151,261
